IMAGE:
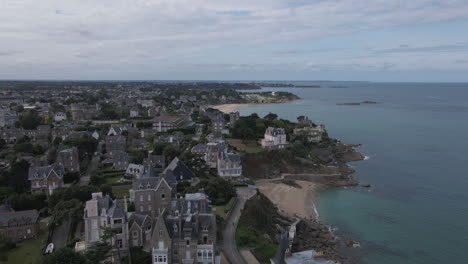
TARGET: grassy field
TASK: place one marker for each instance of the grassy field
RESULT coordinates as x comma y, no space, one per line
248,146
121,190
29,251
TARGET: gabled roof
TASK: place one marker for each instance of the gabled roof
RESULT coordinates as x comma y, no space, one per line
179,170
41,173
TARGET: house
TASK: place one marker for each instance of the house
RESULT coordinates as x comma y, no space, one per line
120,160
68,158
233,118
134,170
158,161
139,143
151,195
218,123
60,116
7,117
103,212
208,152
185,233
229,164
18,225
179,171
134,113
140,227
46,178
274,138
115,144
310,133
166,122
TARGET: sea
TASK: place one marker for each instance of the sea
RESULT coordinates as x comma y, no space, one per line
416,144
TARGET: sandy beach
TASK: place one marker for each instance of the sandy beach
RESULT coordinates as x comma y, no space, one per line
228,108
290,199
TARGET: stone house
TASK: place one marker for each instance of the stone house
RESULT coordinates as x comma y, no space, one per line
120,160
310,133
115,144
46,178
185,233
18,225
103,212
140,227
68,158
151,195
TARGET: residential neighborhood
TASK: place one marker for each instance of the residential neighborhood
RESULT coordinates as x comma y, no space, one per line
115,174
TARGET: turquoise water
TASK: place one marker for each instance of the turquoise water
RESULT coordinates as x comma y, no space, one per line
417,141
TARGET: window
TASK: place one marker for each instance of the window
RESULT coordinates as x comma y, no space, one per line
148,227
149,197
135,234
149,207
188,242
160,232
141,198
141,208
163,196
117,221
119,243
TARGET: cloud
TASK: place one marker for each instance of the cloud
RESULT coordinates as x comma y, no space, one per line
156,35
438,48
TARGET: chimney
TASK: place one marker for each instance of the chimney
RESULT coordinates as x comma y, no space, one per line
125,203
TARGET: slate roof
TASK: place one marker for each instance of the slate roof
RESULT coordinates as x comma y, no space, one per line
16,218
40,173
179,170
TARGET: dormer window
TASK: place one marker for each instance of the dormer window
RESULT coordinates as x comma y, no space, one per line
205,228
148,186
175,228
140,187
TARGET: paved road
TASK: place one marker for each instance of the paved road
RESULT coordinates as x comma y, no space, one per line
93,165
229,239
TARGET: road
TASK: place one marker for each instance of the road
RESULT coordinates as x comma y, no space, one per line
229,239
92,167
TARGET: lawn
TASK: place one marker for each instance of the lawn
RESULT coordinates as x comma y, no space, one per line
120,191
29,251
250,146
222,210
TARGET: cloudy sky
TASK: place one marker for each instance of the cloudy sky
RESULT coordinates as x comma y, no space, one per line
369,40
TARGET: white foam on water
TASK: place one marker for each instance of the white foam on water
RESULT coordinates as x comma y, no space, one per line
366,157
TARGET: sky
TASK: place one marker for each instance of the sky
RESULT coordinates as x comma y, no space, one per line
356,40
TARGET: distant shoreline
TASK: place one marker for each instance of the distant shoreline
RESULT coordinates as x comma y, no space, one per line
229,108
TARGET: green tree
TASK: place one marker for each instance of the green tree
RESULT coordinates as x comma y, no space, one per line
6,244
66,255
195,163
67,209
30,120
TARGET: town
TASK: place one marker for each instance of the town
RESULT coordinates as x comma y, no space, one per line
143,173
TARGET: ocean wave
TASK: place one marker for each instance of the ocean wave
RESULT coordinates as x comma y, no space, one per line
366,157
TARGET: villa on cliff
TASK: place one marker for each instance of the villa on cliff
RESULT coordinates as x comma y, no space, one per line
274,138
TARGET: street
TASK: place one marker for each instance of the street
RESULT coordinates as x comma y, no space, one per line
229,239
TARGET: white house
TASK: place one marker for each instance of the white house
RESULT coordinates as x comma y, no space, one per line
60,116
274,138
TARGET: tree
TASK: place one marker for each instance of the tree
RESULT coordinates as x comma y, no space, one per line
26,201
70,177
271,116
195,163
171,152
19,176
67,209
66,255
3,144
79,192
30,120
159,148
300,118
218,190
